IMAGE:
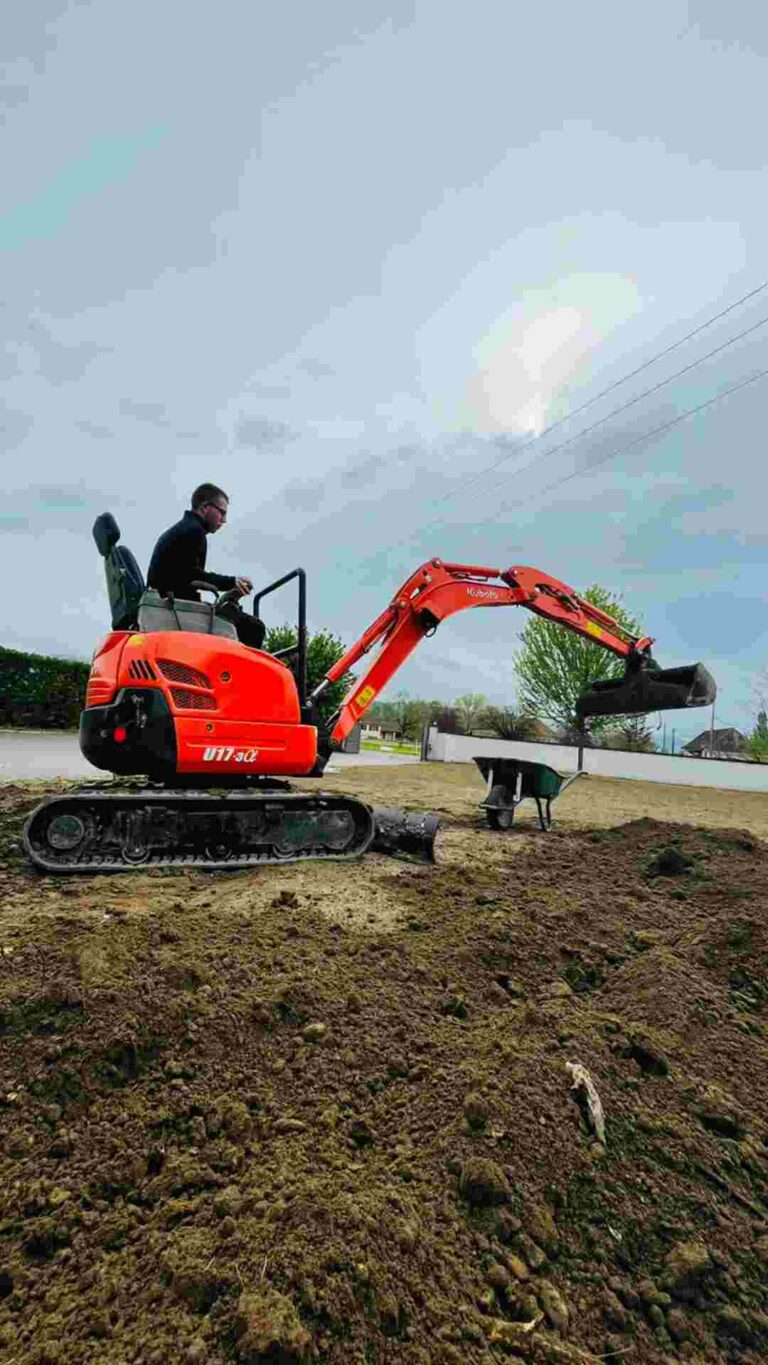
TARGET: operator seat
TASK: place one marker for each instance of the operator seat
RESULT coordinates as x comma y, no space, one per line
136,607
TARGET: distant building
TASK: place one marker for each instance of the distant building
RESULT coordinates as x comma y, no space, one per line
727,743
388,733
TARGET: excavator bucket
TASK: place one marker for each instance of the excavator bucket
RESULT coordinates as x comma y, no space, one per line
405,834
649,688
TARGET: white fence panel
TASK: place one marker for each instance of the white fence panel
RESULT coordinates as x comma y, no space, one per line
688,772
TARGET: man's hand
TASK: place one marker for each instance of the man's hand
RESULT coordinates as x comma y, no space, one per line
245,585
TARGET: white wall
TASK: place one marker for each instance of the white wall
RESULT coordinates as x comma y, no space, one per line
689,772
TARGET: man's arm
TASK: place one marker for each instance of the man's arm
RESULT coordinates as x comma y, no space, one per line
222,581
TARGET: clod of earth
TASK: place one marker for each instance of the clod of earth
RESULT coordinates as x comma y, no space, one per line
670,862
269,1328
483,1183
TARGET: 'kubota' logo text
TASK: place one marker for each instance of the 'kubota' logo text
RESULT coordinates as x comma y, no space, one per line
486,593
220,754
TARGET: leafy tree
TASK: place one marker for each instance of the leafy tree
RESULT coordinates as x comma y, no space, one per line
406,714
634,733
468,709
757,742
412,719
323,650
508,723
403,713
555,666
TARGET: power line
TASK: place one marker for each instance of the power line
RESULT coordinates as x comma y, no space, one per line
638,440
630,403
604,392
474,478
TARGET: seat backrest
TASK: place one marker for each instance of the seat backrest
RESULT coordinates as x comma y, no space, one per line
161,613
125,581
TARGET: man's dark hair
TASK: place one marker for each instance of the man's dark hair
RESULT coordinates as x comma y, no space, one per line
206,493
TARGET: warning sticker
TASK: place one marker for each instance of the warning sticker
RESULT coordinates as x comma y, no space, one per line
367,694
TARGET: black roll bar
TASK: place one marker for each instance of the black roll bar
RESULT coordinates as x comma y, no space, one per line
301,669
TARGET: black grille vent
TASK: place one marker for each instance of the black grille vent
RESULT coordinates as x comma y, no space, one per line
182,673
192,701
139,668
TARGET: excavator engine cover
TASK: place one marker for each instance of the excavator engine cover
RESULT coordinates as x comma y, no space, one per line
649,688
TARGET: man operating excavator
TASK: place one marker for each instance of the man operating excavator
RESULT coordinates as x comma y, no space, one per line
193,706
178,561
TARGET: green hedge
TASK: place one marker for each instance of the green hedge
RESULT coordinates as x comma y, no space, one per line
39,692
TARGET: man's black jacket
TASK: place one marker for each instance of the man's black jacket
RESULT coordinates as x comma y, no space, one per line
178,559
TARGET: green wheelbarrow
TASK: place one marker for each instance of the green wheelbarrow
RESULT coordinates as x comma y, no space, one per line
511,780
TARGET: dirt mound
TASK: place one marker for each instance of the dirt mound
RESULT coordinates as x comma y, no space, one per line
326,1113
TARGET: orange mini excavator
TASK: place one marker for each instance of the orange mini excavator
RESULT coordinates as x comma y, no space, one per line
174,696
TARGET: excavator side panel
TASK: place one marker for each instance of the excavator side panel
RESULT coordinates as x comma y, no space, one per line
105,669
217,746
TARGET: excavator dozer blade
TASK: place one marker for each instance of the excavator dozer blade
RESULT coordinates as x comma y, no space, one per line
649,689
405,834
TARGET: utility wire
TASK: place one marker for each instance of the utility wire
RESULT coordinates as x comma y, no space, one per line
630,403
604,392
638,440
518,449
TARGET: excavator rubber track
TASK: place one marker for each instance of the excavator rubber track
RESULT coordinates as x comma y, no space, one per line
132,832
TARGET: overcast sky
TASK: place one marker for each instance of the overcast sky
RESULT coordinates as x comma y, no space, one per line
343,258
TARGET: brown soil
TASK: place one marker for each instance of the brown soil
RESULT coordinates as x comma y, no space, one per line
325,1113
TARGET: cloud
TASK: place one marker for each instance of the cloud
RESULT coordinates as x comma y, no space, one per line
268,390
156,413
14,427
259,433
99,433
302,497
27,35
12,94
316,369
34,347
363,474
45,215
71,507
61,362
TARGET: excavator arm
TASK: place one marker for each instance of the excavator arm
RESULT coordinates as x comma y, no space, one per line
438,590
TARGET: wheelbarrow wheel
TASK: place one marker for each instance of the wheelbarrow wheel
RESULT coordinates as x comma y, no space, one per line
500,818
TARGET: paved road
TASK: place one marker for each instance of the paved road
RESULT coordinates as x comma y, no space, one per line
33,754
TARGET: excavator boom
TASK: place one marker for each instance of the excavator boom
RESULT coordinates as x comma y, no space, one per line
438,590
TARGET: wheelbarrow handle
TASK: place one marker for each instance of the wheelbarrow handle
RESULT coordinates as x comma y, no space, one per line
581,773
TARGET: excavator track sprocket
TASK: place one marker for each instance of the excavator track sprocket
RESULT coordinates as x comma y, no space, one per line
107,832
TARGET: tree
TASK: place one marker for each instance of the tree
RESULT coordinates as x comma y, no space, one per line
323,650
406,714
468,708
555,666
757,741
634,733
508,723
